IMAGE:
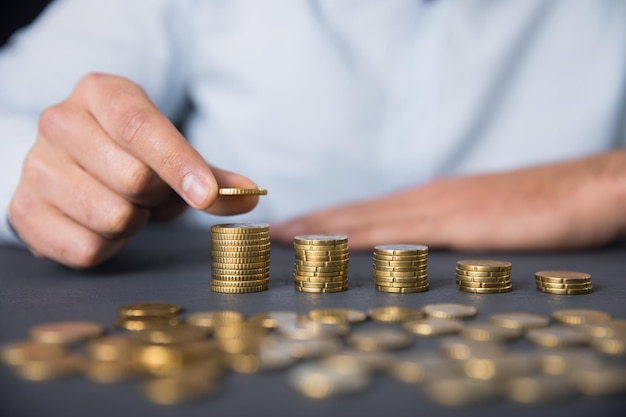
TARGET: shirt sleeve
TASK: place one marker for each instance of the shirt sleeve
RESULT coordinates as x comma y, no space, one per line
143,41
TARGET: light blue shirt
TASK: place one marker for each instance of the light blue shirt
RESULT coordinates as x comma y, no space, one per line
324,102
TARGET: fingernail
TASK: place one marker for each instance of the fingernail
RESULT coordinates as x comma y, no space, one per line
195,189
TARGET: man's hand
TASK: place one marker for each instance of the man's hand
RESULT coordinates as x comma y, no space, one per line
562,206
105,162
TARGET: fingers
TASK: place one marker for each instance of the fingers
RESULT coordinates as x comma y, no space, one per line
70,129
47,233
136,125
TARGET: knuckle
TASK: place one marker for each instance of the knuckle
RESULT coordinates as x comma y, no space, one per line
135,126
52,119
118,219
85,253
138,180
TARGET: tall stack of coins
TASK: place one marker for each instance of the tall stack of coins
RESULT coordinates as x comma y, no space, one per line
401,268
321,263
482,276
563,282
240,257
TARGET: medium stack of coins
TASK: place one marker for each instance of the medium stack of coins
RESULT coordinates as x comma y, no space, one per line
321,263
401,268
563,282
483,276
240,258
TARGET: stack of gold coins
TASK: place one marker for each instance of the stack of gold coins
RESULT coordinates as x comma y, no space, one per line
321,263
563,282
240,257
482,276
401,268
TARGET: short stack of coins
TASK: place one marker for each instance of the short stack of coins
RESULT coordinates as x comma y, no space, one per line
321,263
240,257
563,282
482,276
401,268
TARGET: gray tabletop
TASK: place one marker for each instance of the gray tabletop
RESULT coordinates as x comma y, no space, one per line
169,263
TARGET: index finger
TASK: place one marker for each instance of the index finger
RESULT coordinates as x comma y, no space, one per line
129,117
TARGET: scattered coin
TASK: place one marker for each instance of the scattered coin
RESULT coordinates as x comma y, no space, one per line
319,381
450,311
66,332
578,316
394,314
519,320
433,326
148,309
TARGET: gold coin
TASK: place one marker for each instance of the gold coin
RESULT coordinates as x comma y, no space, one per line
149,309
601,381
321,252
177,390
612,328
567,361
553,286
316,381
482,274
562,276
299,263
174,335
276,319
111,348
567,291
497,280
398,274
413,265
500,367
369,361
320,239
333,246
474,284
519,320
146,323
236,251
538,389
394,314
306,278
415,280
240,260
483,265
457,348
489,332
578,316
337,315
432,326
321,290
415,367
315,348
19,352
322,269
65,332
401,249
211,319
239,277
168,360
238,290
461,391
399,269
417,284
311,330
49,369
343,258
610,345
450,310
309,284
404,290
379,339
241,191
474,290
226,271
240,283
108,372
381,257
239,228
556,336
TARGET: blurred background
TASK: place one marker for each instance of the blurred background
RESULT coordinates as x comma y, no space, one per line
16,14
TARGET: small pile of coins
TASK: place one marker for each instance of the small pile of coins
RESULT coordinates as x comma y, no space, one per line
321,263
240,257
563,282
401,268
483,276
